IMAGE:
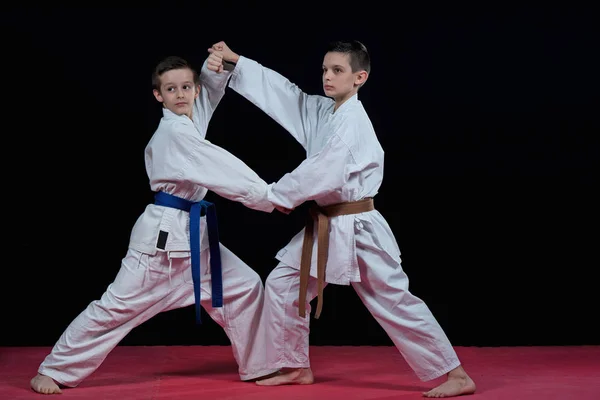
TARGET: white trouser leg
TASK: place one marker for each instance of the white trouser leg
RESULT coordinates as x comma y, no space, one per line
406,319
146,286
287,333
243,296
141,290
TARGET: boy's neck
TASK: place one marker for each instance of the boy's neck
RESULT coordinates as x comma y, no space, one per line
342,100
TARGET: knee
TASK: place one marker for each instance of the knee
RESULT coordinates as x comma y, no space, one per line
274,283
270,282
254,283
99,314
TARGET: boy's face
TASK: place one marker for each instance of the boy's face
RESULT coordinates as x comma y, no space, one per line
177,91
339,82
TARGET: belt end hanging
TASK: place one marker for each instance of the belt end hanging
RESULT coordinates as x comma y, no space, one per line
319,307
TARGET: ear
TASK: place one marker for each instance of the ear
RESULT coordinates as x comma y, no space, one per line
157,95
361,78
198,89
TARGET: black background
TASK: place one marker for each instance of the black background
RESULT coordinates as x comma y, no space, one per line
489,120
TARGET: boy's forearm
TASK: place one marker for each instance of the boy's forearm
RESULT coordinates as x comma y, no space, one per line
275,95
231,58
216,82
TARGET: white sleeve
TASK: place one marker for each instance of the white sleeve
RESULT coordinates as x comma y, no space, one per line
279,98
212,90
323,173
218,170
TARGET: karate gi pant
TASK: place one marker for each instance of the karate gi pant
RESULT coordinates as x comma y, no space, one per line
147,285
384,291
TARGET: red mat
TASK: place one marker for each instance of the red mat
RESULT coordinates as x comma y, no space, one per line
209,372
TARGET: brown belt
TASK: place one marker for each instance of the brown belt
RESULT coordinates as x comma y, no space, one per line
322,215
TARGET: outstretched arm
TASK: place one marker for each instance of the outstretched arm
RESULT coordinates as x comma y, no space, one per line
274,94
325,172
213,82
220,171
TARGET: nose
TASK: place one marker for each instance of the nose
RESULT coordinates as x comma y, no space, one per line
327,75
179,93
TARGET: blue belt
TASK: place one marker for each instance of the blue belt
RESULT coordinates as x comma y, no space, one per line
196,209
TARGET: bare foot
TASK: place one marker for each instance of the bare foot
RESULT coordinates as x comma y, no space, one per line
44,384
458,384
261,378
293,376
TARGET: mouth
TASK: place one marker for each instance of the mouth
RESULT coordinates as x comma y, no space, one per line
180,104
327,87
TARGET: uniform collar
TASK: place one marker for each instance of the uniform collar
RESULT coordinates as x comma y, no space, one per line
348,104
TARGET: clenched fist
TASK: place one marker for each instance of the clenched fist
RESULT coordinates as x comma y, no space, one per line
215,62
228,55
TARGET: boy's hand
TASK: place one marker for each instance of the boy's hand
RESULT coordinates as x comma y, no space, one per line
228,55
215,62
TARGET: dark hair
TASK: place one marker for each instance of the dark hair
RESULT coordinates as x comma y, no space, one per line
359,56
168,64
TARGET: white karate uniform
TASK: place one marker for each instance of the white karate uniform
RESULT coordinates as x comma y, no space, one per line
344,162
151,280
